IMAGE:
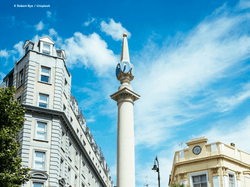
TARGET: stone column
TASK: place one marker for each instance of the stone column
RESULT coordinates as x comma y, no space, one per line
125,98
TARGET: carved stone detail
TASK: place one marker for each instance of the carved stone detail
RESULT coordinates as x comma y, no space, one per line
237,175
183,175
224,170
246,172
215,171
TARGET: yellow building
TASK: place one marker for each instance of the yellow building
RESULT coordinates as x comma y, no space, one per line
210,165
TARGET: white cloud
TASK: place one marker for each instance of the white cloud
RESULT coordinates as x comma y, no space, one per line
48,14
176,82
19,48
86,23
35,38
4,54
243,4
39,26
52,32
238,133
90,51
114,29
228,103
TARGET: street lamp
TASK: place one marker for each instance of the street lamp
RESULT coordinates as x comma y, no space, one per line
156,168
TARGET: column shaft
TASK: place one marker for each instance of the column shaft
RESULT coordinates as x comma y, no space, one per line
125,144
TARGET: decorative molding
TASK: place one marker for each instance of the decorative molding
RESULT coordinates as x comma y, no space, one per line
38,174
62,182
183,175
246,172
215,171
125,93
237,175
224,170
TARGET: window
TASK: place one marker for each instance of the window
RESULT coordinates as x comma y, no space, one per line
65,86
70,150
199,181
83,169
63,141
45,74
69,175
61,167
27,49
41,129
35,184
43,100
231,180
64,107
75,182
39,160
20,78
19,99
76,159
46,49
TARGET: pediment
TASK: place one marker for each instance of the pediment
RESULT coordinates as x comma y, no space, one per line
27,43
46,39
39,174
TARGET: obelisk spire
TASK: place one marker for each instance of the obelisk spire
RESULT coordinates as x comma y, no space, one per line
125,52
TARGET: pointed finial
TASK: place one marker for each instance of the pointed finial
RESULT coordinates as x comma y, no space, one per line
125,52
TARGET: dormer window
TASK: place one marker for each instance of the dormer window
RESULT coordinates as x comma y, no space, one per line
27,49
46,49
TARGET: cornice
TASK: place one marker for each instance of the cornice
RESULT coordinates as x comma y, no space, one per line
212,157
125,93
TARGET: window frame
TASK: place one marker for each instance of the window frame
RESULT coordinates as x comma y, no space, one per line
38,182
38,100
61,167
70,150
27,49
234,177
198,174
46,130
20,97
20,80
77,160
44,74
44,161
69,176
75,181
44,50
63,140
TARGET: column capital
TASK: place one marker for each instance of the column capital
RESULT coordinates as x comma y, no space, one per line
124,94
215,171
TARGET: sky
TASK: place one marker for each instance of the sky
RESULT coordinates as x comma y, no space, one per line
191,66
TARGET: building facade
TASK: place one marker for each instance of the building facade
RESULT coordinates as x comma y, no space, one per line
55,141
210,165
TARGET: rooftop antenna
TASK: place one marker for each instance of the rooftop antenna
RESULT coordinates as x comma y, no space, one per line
180,144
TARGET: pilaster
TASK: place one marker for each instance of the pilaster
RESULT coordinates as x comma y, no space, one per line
54,154
30,73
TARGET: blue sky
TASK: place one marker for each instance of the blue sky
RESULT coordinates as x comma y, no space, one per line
191,61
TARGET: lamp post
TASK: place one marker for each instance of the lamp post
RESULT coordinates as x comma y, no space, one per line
157,169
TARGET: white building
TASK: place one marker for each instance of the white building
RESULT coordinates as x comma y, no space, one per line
56,143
